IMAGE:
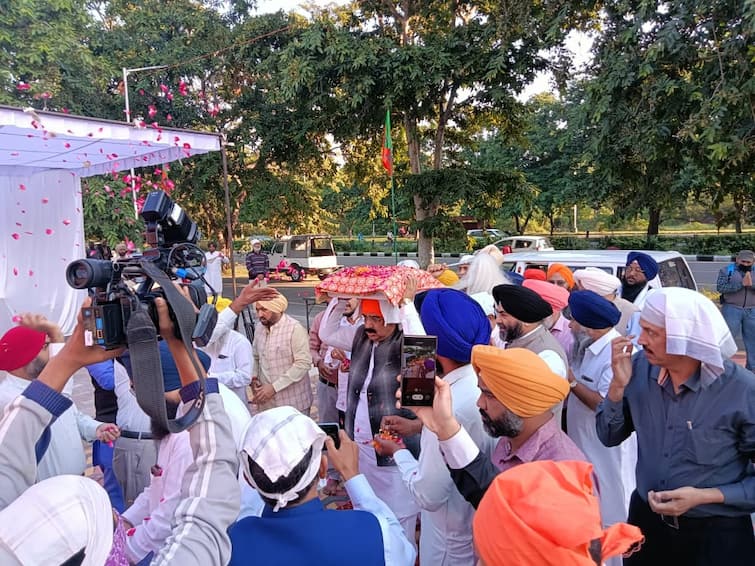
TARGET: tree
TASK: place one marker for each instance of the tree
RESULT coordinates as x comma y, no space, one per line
669,108
446,69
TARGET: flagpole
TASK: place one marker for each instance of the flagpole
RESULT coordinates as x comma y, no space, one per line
393,214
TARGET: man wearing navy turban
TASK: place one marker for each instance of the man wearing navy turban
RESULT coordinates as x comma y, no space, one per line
639,272
459,323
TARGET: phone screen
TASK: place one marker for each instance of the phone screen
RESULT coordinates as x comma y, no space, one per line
331,429
418,370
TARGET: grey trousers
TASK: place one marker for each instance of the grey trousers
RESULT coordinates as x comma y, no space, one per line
132,460
326,403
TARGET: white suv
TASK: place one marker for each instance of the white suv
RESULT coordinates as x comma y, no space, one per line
526,244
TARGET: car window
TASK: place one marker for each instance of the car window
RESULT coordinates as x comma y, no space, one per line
508,265
321,247
297,247
674,273
277,248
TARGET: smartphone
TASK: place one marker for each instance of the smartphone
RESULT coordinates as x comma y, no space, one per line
331,429
418,369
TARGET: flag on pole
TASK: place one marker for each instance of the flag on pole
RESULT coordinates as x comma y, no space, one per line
387,156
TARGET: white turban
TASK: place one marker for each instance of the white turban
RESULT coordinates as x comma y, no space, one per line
54,519
597,280
277,440
694,328
408,263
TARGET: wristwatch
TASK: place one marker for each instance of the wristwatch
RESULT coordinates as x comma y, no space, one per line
573,384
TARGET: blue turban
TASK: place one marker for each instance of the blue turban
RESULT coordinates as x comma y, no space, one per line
646,263
593,311
515,278
458,322
171,380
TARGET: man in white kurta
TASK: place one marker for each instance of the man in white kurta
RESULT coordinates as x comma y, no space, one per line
214,274
446,534
614,467
232,362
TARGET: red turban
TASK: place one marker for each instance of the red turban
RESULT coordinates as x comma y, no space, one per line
534,273
19,346
544,513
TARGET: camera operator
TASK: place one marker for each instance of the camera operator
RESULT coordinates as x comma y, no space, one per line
25,350
209,504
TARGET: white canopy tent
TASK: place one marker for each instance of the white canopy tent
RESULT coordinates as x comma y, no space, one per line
43,156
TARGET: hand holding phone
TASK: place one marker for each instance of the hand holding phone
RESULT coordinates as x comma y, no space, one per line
418,370
331,429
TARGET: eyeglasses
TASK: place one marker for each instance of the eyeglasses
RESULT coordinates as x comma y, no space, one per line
634,268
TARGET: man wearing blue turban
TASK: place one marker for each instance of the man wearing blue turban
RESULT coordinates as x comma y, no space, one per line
459,323
589,381
637,279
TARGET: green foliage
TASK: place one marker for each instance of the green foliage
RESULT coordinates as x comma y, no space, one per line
109,211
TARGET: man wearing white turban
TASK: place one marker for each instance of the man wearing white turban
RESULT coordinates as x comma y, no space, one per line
694,413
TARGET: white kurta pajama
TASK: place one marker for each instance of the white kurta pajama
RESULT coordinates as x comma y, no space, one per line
615,466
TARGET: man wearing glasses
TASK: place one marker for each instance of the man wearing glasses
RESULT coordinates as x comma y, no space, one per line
693,411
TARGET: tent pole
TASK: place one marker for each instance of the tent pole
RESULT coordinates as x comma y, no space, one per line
228,210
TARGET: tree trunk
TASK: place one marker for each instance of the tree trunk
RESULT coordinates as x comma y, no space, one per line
739,207
425,248
654,221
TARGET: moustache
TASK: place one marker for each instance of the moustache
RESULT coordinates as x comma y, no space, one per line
370,331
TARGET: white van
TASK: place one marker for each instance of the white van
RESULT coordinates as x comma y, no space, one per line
673,270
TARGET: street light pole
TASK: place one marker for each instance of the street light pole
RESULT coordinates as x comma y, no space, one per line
126,73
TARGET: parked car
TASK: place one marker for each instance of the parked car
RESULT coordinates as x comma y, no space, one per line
525,244
488,233
302,255
673,270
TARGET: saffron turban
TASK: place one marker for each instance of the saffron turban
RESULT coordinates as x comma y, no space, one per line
522,303
19,346
534,273
448,278
646,263
563,271
593,311
458,322
381,308
529,499
520,379
595,279
557,297
277,304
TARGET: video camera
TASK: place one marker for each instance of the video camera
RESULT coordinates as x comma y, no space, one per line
120,288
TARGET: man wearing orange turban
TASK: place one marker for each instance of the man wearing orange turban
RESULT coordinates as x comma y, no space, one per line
560,275
529,500
518,394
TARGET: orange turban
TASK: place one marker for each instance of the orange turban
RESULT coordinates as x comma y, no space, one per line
544,513
563,271
557,297
520,379
371,307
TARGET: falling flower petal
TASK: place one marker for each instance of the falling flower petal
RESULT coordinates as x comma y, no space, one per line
169,96
66,110
164,88
23,86
22,187
15,271
45,200
66,145
182,89
169,118
15,236
141,91
31,273
152,111
66,222
16,318
49,231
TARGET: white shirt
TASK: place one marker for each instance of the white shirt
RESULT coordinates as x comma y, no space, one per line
614,466
65,453
446,536
130,415
232,362
153,509
214,274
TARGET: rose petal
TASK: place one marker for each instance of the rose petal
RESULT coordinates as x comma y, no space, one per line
49,231
15,271
22,187
45,200
15,236
66,222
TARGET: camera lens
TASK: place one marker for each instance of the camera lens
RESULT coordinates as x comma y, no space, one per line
87,273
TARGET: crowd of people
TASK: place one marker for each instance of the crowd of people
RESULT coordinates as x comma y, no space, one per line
577,418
